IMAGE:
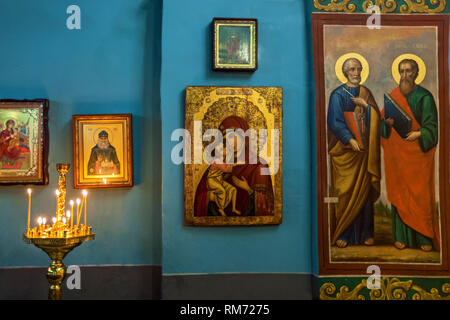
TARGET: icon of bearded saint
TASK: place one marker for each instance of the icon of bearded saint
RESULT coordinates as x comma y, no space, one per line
103,159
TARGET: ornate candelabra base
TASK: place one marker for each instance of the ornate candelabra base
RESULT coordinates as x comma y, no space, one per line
57,249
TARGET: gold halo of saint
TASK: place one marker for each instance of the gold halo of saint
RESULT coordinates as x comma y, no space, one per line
233,106
340,61
110,135
16,122
420,63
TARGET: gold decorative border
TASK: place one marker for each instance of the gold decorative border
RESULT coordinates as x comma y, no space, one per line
386,6
391,289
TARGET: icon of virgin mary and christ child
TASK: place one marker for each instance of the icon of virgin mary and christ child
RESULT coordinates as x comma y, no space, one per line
231,189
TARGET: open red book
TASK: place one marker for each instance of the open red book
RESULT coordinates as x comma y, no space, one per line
355,127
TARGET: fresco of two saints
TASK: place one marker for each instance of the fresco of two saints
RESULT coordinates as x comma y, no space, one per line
382,118
233,156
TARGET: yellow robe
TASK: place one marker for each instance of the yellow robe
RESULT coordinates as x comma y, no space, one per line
354,175
223,191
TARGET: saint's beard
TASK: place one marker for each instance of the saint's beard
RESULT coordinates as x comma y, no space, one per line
103,145
354,80
406,85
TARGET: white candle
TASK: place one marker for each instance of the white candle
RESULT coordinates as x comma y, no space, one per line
39,222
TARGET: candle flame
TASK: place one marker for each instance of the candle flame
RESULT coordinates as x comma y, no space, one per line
44,221
78,201
29,191
64,220
40,220
84,192
57,192
104,181
71,203
68,214
54,220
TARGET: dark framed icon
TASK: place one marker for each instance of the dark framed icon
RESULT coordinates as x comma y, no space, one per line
23,141
235,44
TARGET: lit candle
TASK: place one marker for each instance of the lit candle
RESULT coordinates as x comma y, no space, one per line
39,222
54,220
44,220
29,208
105,181
71,213
85,207
64,220
57,192
68,217
78,212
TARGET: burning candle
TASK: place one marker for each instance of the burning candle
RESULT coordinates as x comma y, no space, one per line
44,220
29,208
39,222
78,212
54,220
105,181
64,220
68,217
71,213
85,207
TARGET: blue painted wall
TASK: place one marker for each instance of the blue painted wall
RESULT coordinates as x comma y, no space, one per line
284,60
111,65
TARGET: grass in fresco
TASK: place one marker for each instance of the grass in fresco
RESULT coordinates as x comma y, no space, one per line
383,250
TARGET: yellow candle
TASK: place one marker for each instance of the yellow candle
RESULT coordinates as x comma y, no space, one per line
71,213
85,207
78,212
29,209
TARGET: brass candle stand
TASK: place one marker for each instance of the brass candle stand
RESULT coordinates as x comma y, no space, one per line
59,239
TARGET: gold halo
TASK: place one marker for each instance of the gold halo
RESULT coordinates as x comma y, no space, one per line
422,67
340,61
16,121
110,136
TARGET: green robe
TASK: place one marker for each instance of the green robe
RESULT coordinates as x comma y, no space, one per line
422,105
424,109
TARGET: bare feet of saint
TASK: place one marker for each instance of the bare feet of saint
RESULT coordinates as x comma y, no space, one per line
341,243
369,242
222,212
426,248
399,245
236,211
